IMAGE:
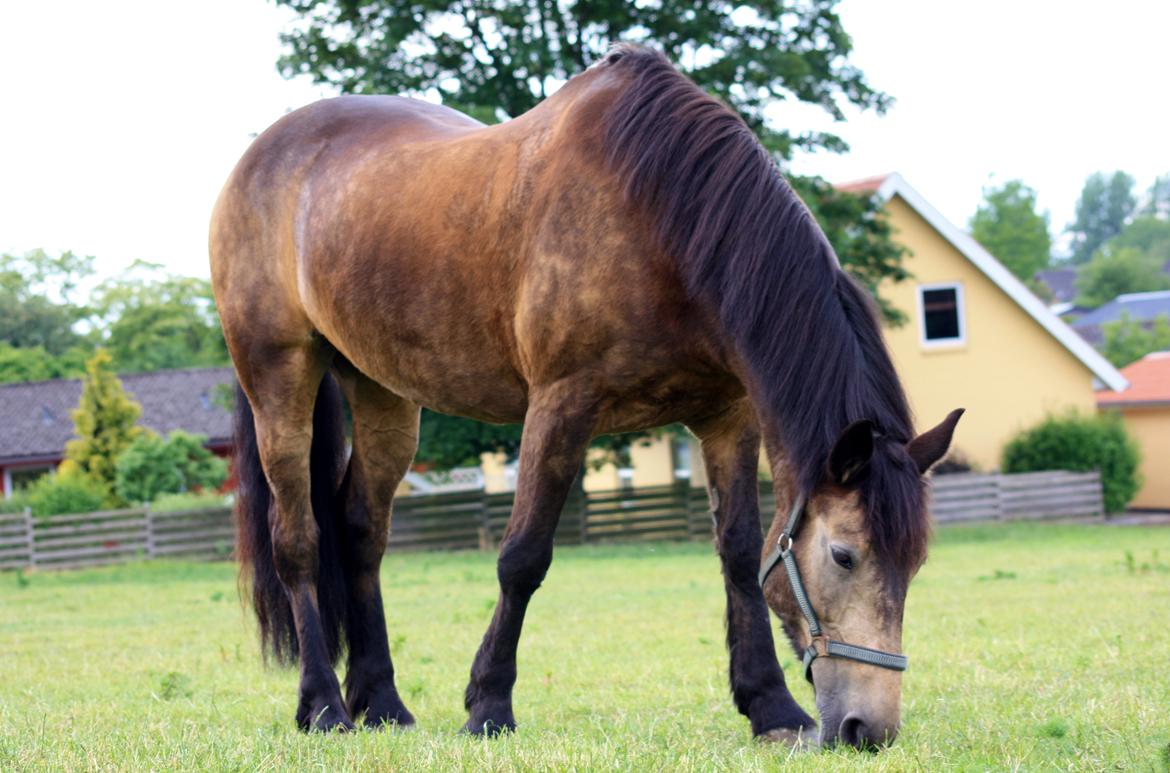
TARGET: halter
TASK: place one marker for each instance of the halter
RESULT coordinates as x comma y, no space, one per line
821,646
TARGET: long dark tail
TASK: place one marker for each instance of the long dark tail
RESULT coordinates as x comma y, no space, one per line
278,635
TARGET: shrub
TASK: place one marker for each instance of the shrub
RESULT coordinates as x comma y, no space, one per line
956,462
69,491
1080,443
151,466
14,504
172,502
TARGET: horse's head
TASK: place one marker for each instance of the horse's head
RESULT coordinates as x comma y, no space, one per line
854,546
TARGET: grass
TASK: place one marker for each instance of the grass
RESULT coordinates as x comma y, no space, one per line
1033,647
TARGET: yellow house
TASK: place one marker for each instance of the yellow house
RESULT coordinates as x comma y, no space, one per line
975,338
1145,409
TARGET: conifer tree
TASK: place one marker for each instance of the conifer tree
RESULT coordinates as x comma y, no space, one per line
104,421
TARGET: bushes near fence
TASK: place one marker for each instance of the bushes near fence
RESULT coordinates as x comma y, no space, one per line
1080,443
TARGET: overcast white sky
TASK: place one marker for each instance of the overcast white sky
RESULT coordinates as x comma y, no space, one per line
119,120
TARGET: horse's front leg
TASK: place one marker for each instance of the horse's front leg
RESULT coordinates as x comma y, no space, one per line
552,449
731,449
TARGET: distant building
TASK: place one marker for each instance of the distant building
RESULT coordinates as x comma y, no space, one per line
1140,307
1061,283
35,420
1145,408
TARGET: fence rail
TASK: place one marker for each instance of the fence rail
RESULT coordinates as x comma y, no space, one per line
473,519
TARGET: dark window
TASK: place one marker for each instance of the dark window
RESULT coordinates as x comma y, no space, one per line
23,477
940,314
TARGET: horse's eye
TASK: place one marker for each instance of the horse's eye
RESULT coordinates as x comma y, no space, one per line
842,557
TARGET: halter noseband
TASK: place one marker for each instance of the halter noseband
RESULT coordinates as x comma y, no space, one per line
821,646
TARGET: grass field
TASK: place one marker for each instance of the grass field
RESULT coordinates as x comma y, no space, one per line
1032,647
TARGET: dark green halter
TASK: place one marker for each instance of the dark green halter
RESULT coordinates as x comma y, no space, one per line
822,646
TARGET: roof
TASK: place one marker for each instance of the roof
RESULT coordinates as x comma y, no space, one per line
35,416
890,185
1062,282
1140,307
1149,383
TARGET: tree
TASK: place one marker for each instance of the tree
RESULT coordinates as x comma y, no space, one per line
1128,340
451,441
153,320
498,60
1157,199
1009,227
1113,272
36,364
104,422
36,300
1150,235
1102,210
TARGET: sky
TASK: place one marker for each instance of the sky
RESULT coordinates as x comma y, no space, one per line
120,120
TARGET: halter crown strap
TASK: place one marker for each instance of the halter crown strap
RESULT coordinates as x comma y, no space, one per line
828,647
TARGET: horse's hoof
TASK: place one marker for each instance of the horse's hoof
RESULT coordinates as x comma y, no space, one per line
327,719
391,719
800,739
490,728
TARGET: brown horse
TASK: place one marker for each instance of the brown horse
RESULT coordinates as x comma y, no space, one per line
622,256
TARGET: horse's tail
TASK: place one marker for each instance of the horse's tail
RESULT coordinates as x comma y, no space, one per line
278,635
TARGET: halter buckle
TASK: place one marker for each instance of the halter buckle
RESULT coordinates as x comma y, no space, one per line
785,543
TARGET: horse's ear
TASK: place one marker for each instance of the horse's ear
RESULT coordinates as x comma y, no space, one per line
851,453
932,445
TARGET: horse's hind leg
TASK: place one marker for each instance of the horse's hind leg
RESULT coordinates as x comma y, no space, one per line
556,434
385,435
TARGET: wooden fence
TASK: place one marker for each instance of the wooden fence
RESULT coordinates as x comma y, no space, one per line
474,520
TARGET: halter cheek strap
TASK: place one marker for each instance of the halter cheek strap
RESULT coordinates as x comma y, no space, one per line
821,646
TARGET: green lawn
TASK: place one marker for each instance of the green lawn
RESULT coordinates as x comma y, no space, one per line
1032,647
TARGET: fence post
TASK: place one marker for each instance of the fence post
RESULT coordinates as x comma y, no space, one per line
582,508
149,530
1000,499
486,541
30,537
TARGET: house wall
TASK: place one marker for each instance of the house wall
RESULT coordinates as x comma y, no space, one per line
1151,428
1008,373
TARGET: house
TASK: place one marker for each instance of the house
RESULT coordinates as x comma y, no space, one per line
1140,307
35,418
1145,409
975,337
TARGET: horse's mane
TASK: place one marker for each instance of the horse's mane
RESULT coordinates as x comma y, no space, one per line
745,243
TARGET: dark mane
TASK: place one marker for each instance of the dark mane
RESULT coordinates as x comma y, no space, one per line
746,243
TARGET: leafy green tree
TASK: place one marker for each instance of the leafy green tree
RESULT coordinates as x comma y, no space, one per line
1157,203
1113,272
450,441
498,60
151,466
1009,227
1104,206
152,320
1128,340
104,422
1081,443
36,300
1151,235
36,364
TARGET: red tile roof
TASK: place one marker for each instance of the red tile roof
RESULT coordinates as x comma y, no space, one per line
1149,383
865,185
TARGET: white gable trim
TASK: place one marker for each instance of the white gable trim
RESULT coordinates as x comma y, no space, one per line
1100,367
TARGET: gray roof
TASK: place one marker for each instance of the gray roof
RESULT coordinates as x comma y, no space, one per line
1061,281
1141,307
35,421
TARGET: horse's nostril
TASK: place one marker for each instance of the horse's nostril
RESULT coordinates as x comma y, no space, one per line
852,731
855,732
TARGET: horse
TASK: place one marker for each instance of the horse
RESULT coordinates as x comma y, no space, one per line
623,256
